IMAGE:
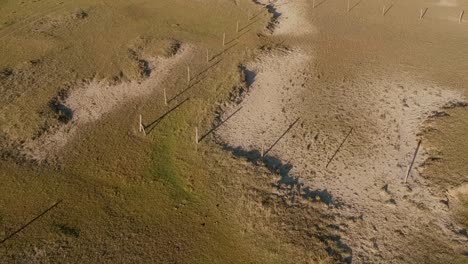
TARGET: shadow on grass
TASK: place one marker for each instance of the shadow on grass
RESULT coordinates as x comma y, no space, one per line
351,8
319,4
196,81
388,9
224,50
238,36
153,124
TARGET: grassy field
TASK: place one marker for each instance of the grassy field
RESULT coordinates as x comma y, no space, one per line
161,198
127,197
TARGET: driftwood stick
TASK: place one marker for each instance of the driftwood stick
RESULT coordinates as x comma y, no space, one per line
338,149
30,222
412,161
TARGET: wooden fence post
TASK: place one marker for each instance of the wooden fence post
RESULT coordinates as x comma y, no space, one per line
188,74
140,126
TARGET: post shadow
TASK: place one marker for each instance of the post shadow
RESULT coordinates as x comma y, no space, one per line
225,49
159,119
257,14
218,125
30,222
338,149
358,2
388,9
238,36
285,132
424,13
319,4
186,89
249,24
208,68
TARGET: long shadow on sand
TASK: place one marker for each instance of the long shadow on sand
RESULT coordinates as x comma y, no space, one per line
335,247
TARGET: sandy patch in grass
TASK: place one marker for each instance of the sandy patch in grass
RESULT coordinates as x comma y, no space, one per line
377,214
89,103
365,179
263,109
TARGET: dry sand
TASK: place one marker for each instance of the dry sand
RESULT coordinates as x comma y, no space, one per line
379,217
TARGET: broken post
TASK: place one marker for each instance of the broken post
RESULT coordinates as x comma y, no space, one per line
313,3
412,161
224,39
348,5
383,11
165,96
196,135
460,19
262,150
237,27
207,55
